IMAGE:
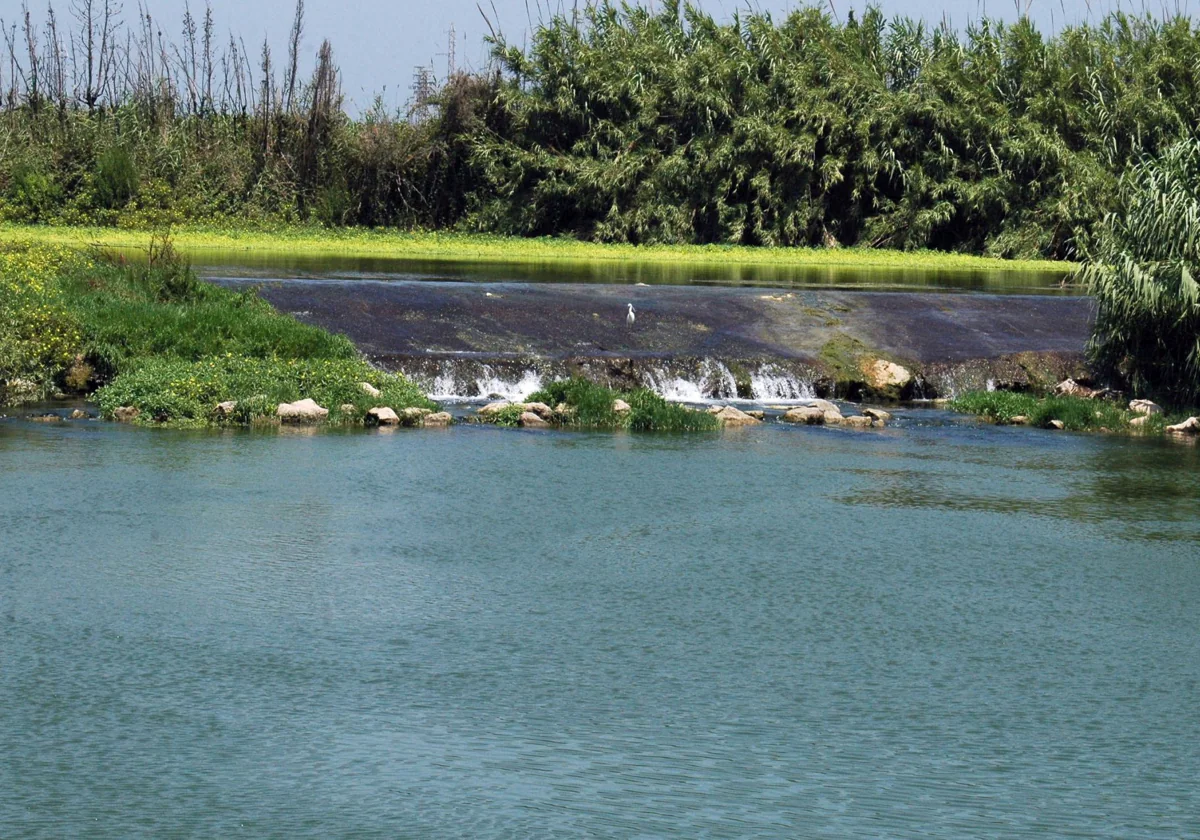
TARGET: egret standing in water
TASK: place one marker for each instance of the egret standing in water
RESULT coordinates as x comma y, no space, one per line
629,319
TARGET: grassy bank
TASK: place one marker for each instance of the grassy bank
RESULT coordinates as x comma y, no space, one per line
155,338
466,248
1075,413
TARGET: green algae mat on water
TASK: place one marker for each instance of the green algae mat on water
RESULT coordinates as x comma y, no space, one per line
361,249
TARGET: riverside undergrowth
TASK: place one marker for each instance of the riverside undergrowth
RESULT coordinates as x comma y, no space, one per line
1075,413
154,337
590,406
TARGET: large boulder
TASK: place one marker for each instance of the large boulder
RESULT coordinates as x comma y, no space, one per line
824,405
1190,426
225,409
383,416
438,418
530,420
301,411
858,421
885,376
414,416
370,390
1145,407
833,416
621,407
877,414
540,409
805,414
493,408
730,416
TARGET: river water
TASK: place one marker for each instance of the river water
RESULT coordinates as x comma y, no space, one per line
940,629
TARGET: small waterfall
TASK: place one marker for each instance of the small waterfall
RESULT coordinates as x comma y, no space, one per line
691,382
457,382
770,383
686,380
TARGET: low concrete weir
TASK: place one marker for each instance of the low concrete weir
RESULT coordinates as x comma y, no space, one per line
693,342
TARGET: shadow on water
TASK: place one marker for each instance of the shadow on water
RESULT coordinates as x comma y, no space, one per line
1142,489
274,265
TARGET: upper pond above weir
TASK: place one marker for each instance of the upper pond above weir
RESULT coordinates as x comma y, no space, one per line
276,265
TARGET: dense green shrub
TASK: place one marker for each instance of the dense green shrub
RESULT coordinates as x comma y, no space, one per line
116,178
1144,278
624,124
39,334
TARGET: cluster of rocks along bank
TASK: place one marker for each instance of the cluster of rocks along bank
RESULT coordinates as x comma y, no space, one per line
536,415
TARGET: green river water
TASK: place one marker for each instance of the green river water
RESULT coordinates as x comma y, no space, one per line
940,629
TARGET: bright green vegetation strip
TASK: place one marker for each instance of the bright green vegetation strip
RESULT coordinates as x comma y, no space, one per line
1075,413
155,338
457,247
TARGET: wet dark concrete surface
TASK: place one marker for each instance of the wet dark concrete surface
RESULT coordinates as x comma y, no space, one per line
555,321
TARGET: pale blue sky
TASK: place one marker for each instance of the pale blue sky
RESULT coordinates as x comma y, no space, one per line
378,42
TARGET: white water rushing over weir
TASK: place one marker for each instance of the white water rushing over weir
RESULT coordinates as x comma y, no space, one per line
710,381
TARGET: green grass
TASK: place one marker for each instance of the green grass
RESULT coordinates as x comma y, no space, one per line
465,248
591,407
156,338
185,392
1076,414
131,313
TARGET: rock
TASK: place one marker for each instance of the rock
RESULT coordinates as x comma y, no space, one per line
382,416
757,415
438,418
1145,407
877,414
1056,424
370,390
413,416
1190,426
805,414
540,409
730,416
715,409
1138,422
79,414
45,418
1071,388
301,411
1019,420
126,413
225,409
348,408
883,375
532,421
858,421
493,408
833,417
824,405
621,407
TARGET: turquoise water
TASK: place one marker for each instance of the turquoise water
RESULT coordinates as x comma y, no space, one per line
935,630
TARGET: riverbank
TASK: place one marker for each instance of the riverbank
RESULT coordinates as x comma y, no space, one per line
154,344
193,241
1077,408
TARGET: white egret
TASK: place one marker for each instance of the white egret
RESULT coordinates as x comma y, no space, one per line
629,319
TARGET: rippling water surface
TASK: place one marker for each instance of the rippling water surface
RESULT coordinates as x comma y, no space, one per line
931,631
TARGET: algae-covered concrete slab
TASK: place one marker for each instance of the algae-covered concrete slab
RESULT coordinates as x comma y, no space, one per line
824,329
